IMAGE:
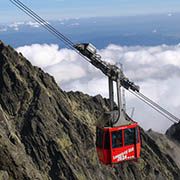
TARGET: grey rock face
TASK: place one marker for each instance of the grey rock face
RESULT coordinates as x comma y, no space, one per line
174,132
46,133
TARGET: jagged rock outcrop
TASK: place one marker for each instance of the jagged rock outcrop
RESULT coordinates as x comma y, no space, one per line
46,133
167,145
174,132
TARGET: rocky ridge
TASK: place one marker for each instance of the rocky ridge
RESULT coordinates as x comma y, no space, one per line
46,133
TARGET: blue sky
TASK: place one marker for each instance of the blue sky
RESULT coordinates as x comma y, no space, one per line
55,9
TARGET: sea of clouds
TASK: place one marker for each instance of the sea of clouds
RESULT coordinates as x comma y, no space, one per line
155,69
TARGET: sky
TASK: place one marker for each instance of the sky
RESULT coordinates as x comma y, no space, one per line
55,9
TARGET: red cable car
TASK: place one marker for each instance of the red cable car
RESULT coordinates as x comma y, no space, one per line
119,140
118,144
117,135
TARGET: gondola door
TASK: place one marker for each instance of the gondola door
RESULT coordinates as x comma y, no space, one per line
103,145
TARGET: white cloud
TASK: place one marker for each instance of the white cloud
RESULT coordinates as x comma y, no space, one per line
75,24
16,25
59,63
33,24
156,69
69,21
66,71
3,29
170,14
46,55
154,31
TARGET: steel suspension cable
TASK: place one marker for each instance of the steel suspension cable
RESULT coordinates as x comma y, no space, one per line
158,106
47,26
154,107
42,21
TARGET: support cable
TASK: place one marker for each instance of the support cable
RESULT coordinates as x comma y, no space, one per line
42,21
172,119
171,116
47,26
158,106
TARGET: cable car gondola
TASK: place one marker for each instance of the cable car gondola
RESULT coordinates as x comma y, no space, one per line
119,140
118,144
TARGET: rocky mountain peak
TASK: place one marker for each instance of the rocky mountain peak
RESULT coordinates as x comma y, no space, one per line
47,133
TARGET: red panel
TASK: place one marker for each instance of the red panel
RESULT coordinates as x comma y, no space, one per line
138,150
104,155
